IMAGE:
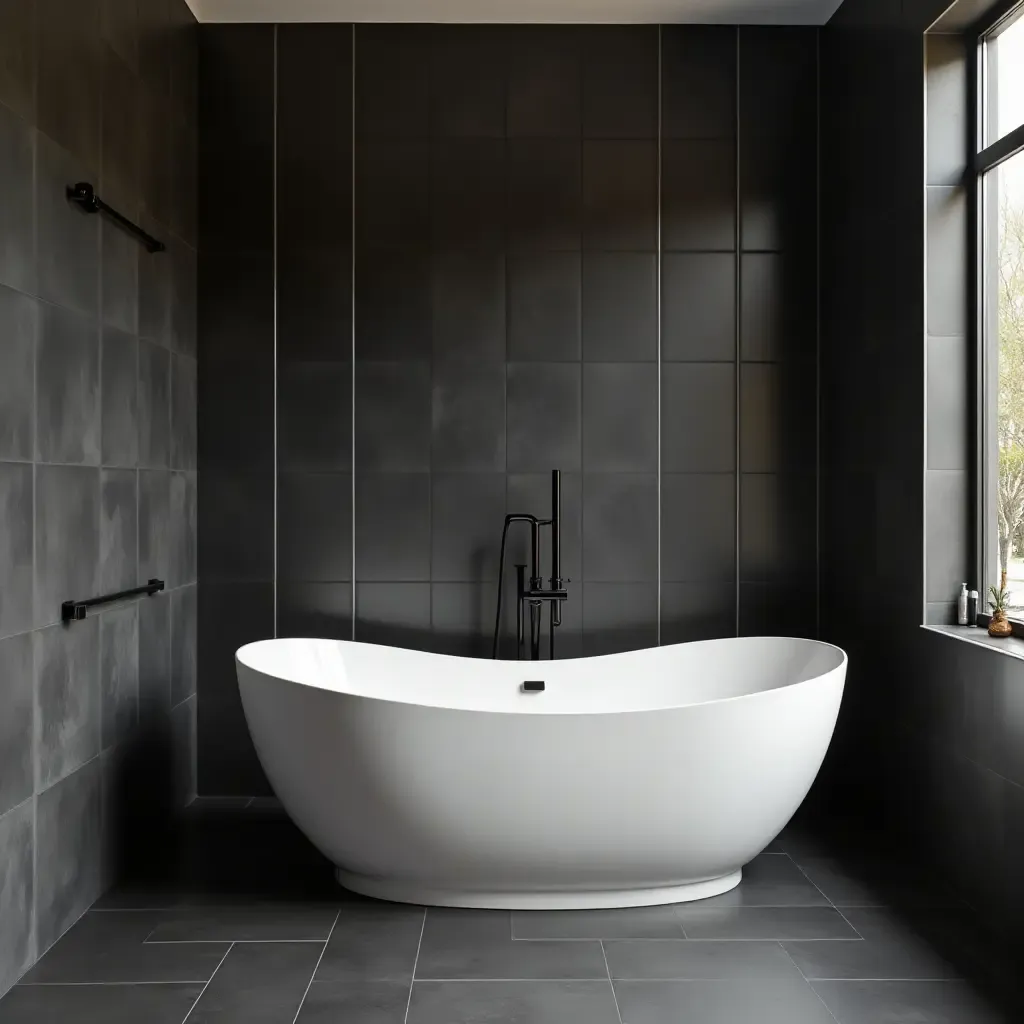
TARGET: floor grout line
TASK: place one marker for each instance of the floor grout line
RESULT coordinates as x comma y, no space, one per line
611,984
207,985
113,984
220,942
415,964
830,903
316,968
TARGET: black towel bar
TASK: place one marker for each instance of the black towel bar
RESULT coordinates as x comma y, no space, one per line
71,610
84,195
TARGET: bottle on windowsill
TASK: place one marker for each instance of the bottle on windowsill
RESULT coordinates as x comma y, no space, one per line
972,608
961,606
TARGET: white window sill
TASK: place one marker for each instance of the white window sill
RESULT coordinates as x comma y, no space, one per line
978,635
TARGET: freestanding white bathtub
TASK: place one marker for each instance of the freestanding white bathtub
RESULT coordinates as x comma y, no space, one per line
632,779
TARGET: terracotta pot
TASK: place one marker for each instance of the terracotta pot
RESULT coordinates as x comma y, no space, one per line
1000,625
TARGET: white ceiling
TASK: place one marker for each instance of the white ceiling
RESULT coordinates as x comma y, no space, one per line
723,12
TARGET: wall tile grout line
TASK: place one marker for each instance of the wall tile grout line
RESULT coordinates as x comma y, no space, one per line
274,187
352,323
658,313
415,964
317,966
738,328
817,337
227,953
604,954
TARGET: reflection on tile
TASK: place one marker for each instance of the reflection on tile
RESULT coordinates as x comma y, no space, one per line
733,961
763,922
532,1002
924,1002
372,941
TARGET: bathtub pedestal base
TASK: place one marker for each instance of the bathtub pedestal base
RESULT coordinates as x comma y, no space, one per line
598,899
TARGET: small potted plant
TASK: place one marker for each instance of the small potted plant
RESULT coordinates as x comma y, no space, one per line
999,625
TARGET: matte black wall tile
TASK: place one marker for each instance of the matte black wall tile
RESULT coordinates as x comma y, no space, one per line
183,412
314,133
16,547
620,417
947,273
698,182
120,128
620,306
619,617
393,416
184,184
184,767
778,409
314,296
393,527
698,527
230,616
68,86
69,851
778,79
154,659
17,254
184,604
315,609
530,493
545,194
544,306
18,61
67,661
19,318
67,239
395,614
184,529
468,415
393,304
236,304
620,527
156,524
155,281
543,416
156,155
315,526
777,528
776,177
947,501
119,674
698,307
235,413
236,137
468,300
768,609
778,315
468,193
154,406
119,552
392,80
620,82
314,416
17,727
698,81
67,537
620,201
544,81
237,526
184,298
697,611
119,272
698,429
67,388
463,54
154,24
949,432
393,192
17,898
462,618
466,511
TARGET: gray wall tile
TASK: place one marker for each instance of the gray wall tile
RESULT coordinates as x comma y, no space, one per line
946,260
183,413
17,248
69,851
314,415
154,657
544,306
119,546
618,617
18,320
68,388
119,270
120,398
17,725
156,525
18,60
17,895
184,495
947,497
620,417
184,610
468,293
620,307
393,526
67,539
699,307
183,751
154,406
16,539
314,526
465,512
697,611
543,417
948,425
698,527
393,416
468,410
67,660
119,674
620,536
698,411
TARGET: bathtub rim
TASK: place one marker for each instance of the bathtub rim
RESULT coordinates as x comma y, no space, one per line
839,668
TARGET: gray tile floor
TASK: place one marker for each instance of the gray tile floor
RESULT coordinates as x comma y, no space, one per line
804,940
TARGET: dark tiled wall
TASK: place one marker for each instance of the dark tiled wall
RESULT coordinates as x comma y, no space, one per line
506,241
97,447
943,719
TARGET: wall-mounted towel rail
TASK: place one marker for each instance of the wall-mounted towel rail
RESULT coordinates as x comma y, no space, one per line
84,195
71,610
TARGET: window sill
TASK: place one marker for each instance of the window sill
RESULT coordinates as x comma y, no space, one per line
978,635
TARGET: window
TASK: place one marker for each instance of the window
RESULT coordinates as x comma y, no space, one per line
999,178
